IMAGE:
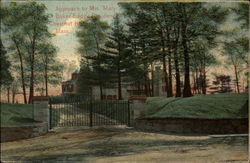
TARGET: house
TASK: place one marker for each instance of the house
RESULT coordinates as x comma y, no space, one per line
128,89
70,86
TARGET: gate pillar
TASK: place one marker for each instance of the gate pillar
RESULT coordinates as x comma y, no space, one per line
41,109
138,107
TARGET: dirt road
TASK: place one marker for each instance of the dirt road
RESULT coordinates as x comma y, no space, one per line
122,145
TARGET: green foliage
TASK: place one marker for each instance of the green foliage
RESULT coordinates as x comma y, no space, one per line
223,83
87,79
235,52
47,63
25,27
91,35
201,57
243,14
160,30
5,75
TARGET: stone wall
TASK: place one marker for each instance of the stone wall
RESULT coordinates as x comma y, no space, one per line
193,126
23,132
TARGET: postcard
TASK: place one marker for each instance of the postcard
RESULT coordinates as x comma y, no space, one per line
125,81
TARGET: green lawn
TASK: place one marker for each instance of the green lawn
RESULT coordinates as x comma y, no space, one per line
16,114
199,106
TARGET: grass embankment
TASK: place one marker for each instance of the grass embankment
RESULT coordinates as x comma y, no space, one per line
199,106
16,114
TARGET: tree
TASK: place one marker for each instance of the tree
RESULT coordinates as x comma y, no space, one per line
200,60
11,27
51,68
222,82
231,51
242,11
6,78
176,26
26,25
116,53
91,35
199,22
144,42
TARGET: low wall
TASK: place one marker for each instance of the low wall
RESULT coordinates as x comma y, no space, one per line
23,132
193,126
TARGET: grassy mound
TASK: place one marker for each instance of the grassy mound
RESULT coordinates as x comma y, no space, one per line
199,106
16,114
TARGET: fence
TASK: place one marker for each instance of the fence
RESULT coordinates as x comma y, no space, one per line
79,111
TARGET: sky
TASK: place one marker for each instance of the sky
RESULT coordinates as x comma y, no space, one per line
66,15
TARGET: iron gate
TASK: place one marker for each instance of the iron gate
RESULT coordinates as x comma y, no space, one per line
76,111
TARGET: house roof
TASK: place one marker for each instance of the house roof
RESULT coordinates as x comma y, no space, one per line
69,82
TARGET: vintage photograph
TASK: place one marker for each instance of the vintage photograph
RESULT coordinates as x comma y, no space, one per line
109,81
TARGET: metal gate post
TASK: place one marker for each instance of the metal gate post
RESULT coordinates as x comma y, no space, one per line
50,114
128,113
91,114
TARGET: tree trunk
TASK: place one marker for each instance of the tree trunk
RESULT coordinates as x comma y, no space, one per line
46,77
236,79
99,74
146,87
8,94
247,74
152,83
22,71
187,88
195,85
198,85
145,81
13,95
170,87
119,85
32,60
176,64
164,66
32,79
119,72
204,84
101,93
